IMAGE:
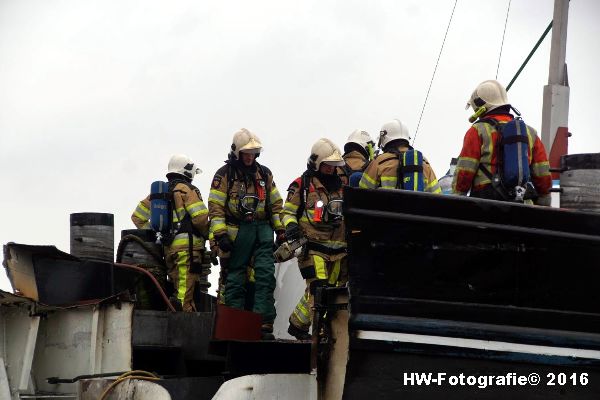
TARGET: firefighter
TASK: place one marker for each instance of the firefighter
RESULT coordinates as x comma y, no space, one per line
386,170
358,153
244,206
313,209
478,160
183,251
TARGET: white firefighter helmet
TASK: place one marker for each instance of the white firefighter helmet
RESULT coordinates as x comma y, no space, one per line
183,165
393,130
324,151
361,138
245,141
489,94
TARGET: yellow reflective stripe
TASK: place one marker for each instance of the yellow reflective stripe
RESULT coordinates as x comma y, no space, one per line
217,197
335,272
274,195
182,261
487,144
333,244
467,164
415,174
178,214
433,187
366,182
286,219
290,207
182,239
389,182
541,168
276,221
531,138
232,231
142,208
250,274
320,270
304,219
217,224
301,312
141,216
196,209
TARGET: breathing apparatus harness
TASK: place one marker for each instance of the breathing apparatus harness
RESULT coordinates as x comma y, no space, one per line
248,203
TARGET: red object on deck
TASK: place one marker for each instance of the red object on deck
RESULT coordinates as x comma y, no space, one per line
560,147
235,324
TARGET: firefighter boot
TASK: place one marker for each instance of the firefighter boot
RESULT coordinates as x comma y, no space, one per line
267,332
298,333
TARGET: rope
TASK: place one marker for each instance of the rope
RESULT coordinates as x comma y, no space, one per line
503,33
138,374
529,56
434,70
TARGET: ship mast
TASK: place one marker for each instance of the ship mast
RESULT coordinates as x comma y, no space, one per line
555,112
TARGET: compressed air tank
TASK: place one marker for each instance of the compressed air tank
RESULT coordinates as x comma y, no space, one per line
92,236
580,181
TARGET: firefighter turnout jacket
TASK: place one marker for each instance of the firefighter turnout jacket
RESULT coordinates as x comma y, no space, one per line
382,172
228,200
324,237
356,161
481,147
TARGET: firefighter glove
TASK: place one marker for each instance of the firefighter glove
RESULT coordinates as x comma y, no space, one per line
224,243
280,238
292,231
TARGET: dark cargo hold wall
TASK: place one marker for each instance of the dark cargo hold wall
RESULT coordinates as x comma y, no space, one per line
456,285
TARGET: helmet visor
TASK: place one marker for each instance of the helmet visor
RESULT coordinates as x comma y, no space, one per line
335,163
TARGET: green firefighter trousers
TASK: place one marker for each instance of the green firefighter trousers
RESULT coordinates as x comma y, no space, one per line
254,239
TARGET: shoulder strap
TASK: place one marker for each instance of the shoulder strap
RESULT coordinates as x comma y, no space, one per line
264,173
303,190
230,179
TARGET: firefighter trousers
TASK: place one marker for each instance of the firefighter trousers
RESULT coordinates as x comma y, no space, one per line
327,273
184,280
254,239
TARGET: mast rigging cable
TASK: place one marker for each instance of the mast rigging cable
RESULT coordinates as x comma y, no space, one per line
503,34
434,70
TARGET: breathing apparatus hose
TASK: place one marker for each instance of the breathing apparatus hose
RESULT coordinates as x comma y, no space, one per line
138,374
158,287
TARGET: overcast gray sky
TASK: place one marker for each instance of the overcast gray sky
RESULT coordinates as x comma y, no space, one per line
96,95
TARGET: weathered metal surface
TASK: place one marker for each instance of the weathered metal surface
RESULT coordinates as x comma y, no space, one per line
92,236
174,343
130,389
192,388
43,342
333,374
580,182
50,276
276,386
